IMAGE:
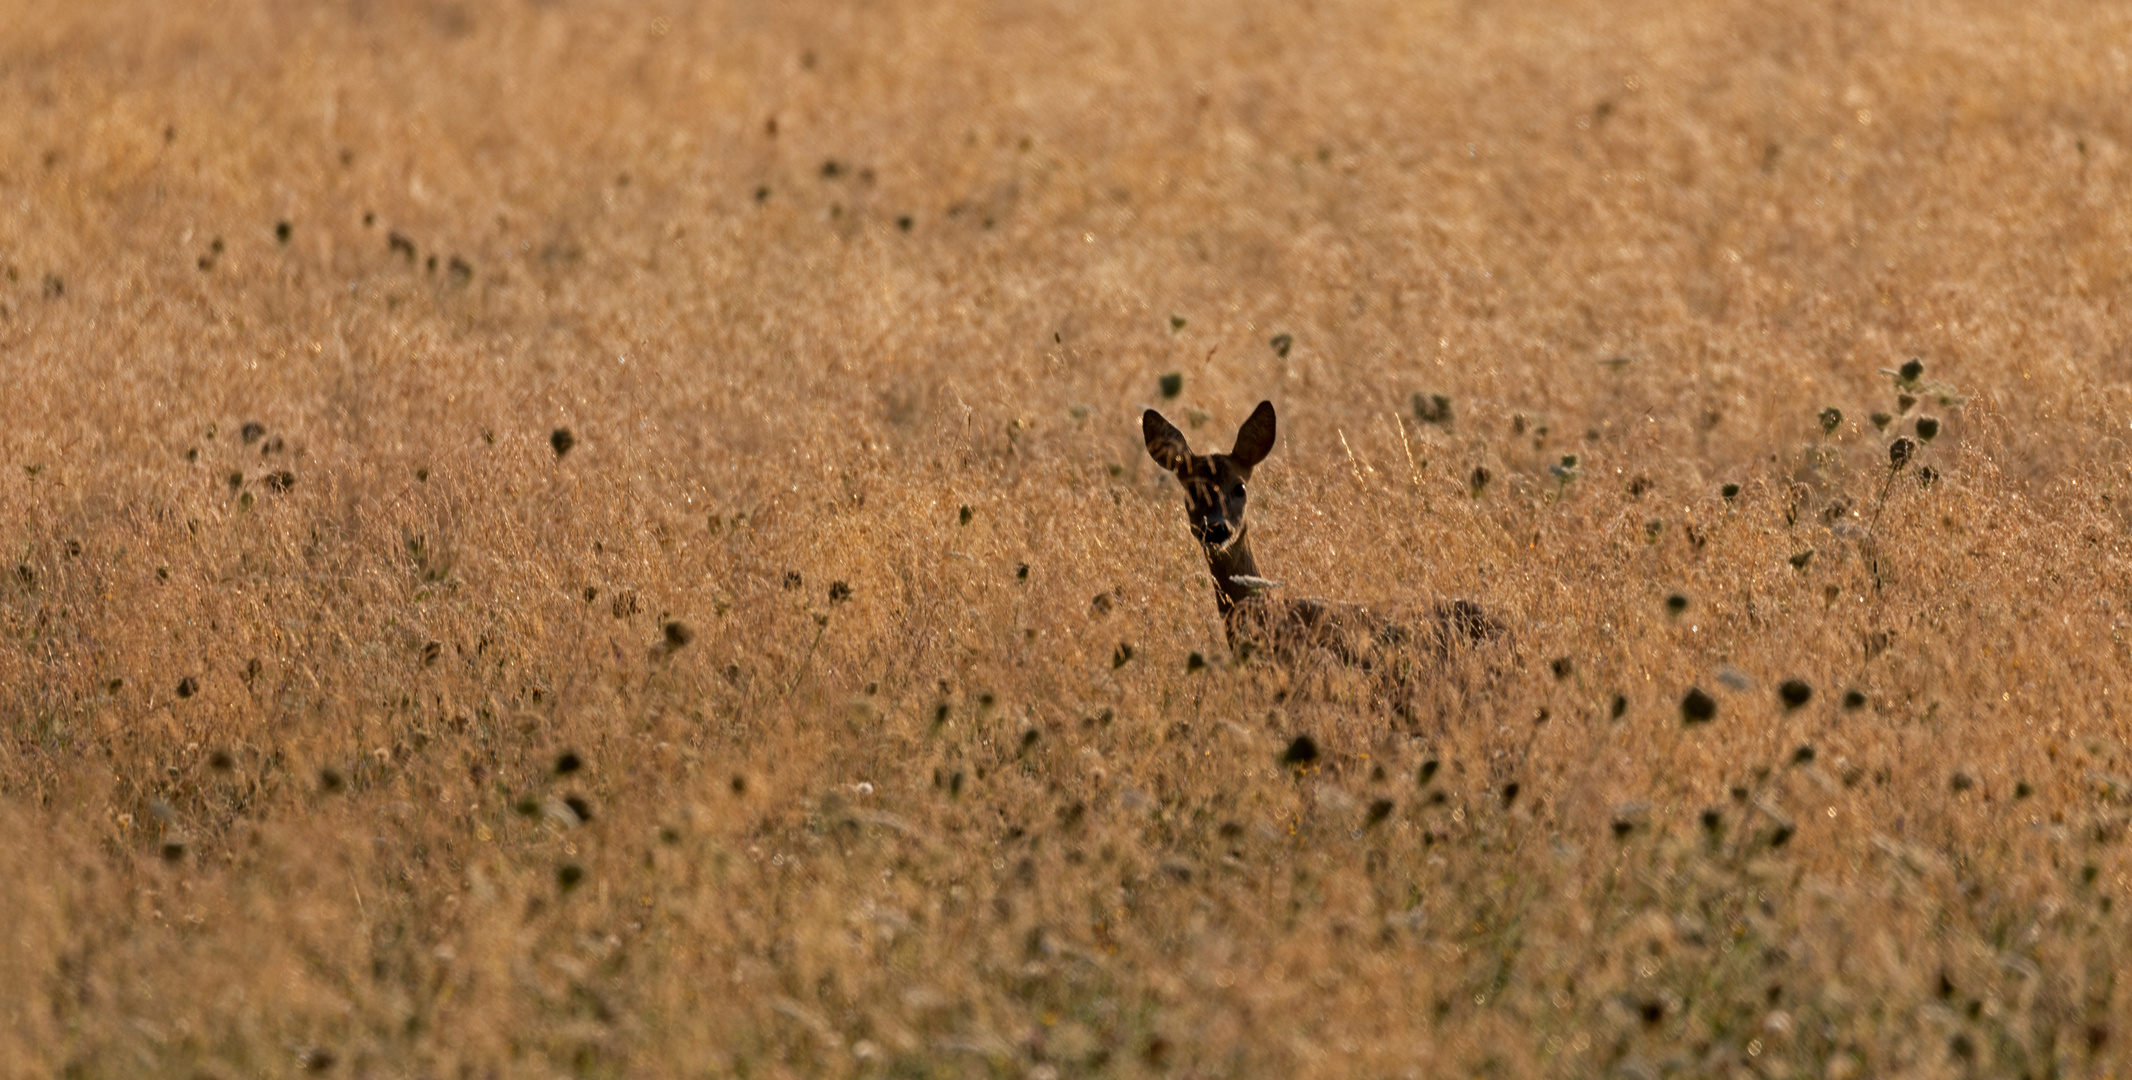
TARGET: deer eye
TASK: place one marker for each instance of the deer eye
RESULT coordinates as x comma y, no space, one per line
1237,491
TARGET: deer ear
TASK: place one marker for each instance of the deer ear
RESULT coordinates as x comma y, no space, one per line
1164,442
1255,439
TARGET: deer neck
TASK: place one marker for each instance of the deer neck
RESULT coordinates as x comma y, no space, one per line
1229,563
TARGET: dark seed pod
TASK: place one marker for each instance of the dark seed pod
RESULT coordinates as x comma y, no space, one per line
1899,452
1794,693
1697,707
1302,750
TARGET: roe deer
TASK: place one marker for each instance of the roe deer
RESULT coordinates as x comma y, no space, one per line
1254,619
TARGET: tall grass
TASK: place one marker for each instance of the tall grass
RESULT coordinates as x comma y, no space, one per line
827,707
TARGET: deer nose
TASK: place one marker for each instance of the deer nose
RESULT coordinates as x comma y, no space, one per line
1217,533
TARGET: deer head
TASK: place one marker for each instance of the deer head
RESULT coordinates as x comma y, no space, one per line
1213,483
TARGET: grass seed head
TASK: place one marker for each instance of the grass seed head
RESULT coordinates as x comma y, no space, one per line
1831,419
1928,428
561,440
1281,344
1730,492
1172,384
568,762
1912,370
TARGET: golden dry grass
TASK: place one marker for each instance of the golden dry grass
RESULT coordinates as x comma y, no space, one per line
283,713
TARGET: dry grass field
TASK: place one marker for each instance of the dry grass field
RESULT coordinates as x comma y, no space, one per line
825,703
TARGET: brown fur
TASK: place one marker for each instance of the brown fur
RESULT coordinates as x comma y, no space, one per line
1286,629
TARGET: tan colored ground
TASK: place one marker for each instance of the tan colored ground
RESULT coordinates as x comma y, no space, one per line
283,709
